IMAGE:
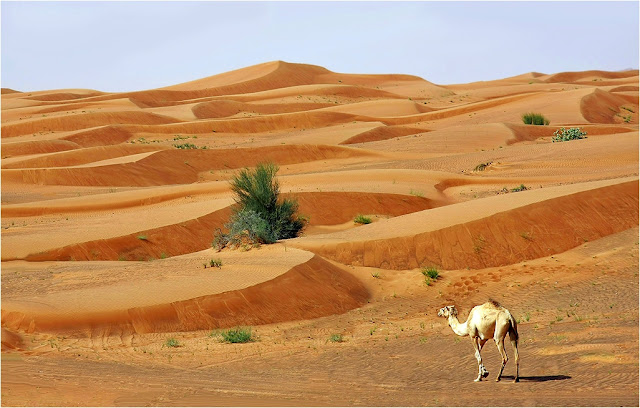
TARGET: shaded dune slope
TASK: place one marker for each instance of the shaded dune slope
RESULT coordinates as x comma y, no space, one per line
532,231
310,290
80,156
603,107
383,133
328,208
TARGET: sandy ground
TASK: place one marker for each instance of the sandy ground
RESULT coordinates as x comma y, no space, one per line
107,228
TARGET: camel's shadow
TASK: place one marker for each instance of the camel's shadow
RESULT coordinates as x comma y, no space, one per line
540,378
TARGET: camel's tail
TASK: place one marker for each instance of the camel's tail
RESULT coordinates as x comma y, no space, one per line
513,330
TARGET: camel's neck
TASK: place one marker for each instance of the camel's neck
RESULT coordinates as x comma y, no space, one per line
458,328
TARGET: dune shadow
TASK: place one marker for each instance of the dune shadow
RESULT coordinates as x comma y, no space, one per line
540,378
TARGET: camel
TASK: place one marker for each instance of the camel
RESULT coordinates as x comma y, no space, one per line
484,322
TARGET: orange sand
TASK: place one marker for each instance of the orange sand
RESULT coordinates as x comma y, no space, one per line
107,226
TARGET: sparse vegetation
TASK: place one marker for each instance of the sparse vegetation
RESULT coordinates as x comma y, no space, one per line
534,119
237,335
430,272
376,275
336,338
521,187
185,146
563,135
416,193
482,166
171,342
216,263
526,236
142,237
361,219
259,217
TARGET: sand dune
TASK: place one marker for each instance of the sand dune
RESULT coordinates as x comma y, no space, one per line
578,76
110,203
605,107
511,229
175,167
322,209
312,289
82,121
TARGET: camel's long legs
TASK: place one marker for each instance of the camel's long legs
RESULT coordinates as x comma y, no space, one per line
478,345
514,343
503,353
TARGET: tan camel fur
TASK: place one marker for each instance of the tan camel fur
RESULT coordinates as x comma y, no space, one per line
489,320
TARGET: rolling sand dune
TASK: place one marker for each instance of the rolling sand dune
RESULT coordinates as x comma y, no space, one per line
82,121
171,167
168,240
569,77
110,204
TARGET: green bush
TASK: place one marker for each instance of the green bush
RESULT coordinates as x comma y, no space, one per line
185,146
482,166
259,216
361,219
430,272
534,119
521,187
238,335
171,342
336,338
217,263
563,135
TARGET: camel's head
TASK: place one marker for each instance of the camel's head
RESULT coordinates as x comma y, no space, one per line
448,311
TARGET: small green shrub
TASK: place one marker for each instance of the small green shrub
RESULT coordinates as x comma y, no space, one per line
336,338
482,166
534,119
171,342
376,275
237,335
521,187
259,216
217,263
185,146
563,135
142,237
361,219
431,272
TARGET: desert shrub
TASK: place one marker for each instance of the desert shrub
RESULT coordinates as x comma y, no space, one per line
259,216
482,166
142,237
171,342
534,119
247,226
521,187
430,272
361,219
217,263
237,335
336,338
185,146
563,135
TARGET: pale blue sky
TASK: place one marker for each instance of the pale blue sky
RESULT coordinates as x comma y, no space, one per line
128,46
